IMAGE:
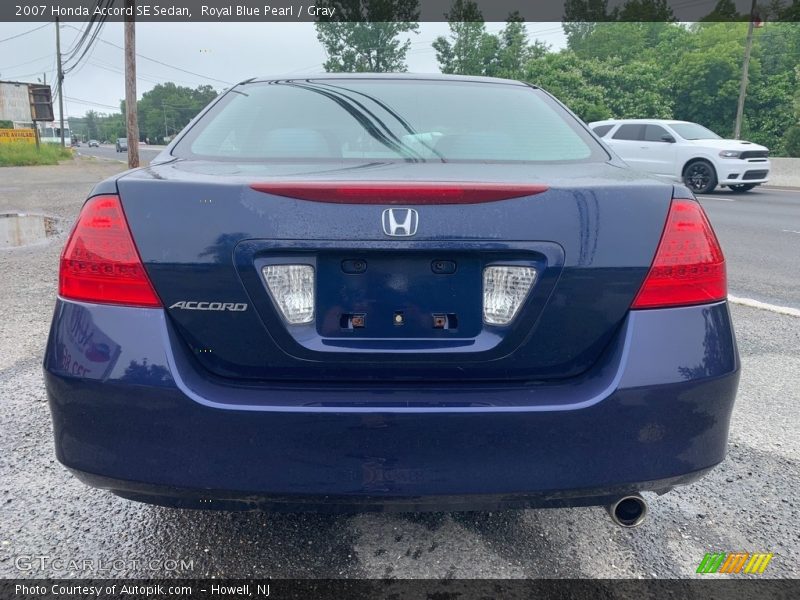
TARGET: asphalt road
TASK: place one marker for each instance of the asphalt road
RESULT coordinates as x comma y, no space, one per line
109,152
760,235
749,503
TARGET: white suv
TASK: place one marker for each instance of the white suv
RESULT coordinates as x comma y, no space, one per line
686,152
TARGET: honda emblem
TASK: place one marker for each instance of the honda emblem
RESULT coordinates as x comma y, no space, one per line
400,222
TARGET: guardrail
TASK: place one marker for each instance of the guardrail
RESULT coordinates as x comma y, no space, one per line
785,172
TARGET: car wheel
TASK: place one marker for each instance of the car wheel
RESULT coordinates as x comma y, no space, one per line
700,177
742,187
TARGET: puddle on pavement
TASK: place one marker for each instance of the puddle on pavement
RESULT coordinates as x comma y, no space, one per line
23,229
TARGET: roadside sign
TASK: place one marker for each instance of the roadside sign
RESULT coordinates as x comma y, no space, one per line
17,136
41,102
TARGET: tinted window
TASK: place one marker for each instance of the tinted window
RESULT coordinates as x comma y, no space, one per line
601,130
631,131
393,119
655,133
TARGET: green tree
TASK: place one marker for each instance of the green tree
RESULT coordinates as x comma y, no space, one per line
705,79
769,113
778,47
706,89
92,129
652,11
793,141
599,89
515,49
465,52
670,70
581,18
791,12
724,10
797,94
364,35
633,89
168,108
489,54
563,75
112,127
626,40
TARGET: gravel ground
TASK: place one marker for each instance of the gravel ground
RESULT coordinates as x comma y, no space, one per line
749,503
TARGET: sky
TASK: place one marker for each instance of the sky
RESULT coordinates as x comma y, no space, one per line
217,54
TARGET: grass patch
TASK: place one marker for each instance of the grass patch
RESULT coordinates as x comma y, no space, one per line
23,155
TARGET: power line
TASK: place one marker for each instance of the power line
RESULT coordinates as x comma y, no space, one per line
20,77
77,41
90,50
691,3
2,70
13,37
148,77
308,69
90,103
87,40
118,71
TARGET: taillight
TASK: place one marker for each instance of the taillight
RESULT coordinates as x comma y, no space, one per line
100,262
399,192
688,267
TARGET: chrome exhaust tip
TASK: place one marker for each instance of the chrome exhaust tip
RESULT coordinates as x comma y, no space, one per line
628,511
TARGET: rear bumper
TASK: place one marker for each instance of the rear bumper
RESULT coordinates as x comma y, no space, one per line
652,414
194,498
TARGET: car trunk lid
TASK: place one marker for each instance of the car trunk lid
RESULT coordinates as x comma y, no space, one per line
206,231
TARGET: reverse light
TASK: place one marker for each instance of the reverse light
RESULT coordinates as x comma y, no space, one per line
292,290
689,267
100,262
730,154
504,290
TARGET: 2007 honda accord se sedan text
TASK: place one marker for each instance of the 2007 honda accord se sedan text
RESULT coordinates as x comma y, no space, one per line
365,292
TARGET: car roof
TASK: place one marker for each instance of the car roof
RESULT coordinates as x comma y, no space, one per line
658,121
406,76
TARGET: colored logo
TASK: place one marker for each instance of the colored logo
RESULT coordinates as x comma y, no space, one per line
734,562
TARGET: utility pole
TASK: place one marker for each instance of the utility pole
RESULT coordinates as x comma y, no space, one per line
748,46
60,80
130,85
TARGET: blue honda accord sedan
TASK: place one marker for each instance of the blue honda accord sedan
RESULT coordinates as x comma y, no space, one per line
396,292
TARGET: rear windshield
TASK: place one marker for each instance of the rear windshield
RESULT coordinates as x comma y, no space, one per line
388,120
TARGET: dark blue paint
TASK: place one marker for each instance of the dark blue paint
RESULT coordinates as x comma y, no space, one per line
200,233
576,402
173,429
420,294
